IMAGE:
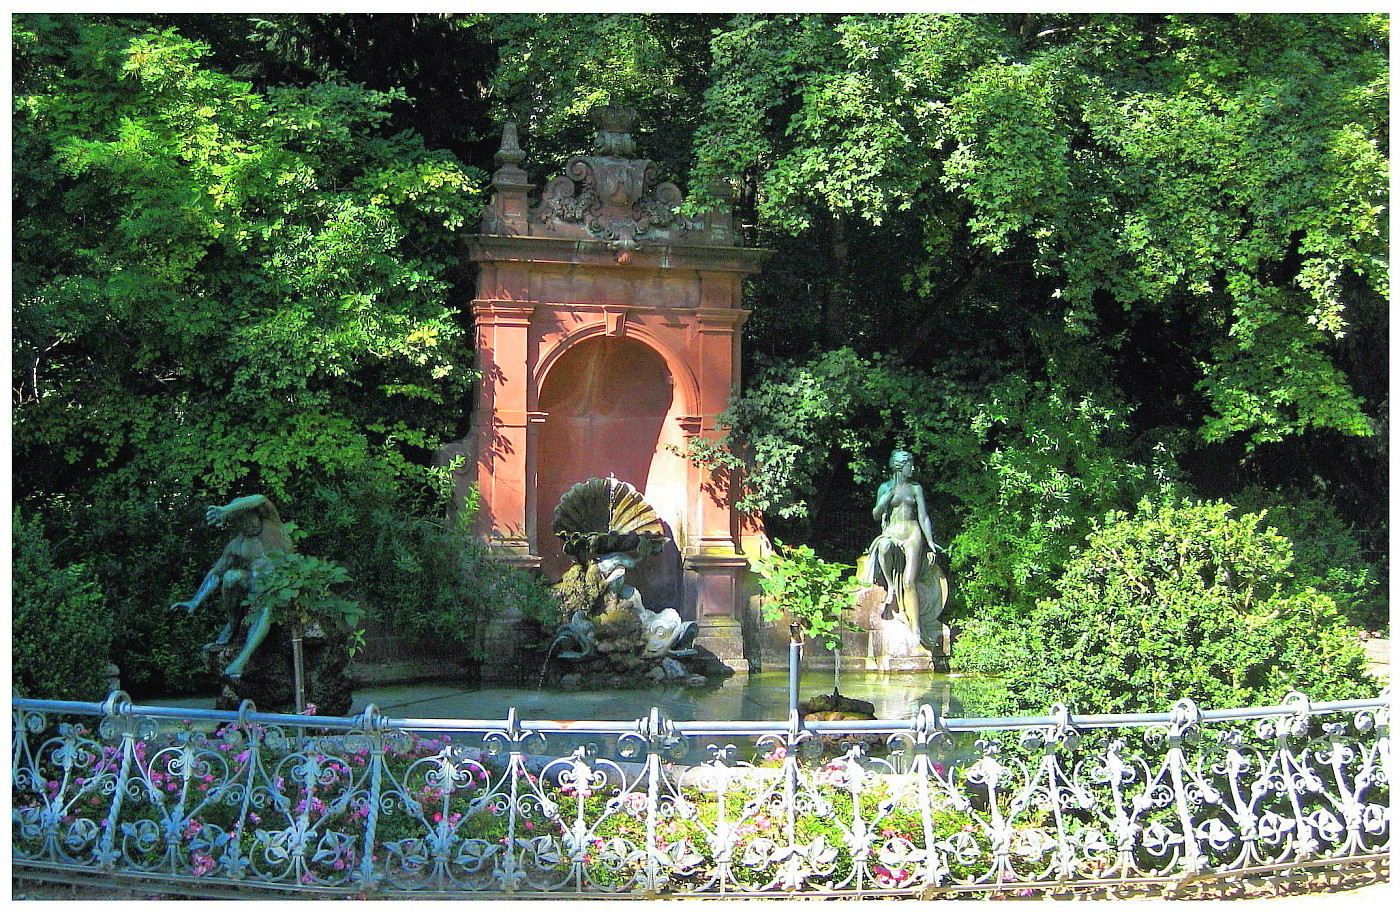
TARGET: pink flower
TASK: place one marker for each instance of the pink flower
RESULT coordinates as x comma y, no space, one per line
203,864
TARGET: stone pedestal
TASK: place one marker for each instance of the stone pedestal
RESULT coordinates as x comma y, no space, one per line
268,679
714,580
890,642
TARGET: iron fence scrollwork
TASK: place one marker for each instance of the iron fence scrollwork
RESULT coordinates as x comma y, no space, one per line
369,805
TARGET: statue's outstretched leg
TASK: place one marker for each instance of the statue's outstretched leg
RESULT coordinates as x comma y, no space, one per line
231,590
257,631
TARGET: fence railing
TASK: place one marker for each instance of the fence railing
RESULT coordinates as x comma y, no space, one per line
204,801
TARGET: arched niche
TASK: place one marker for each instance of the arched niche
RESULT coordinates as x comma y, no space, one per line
608,406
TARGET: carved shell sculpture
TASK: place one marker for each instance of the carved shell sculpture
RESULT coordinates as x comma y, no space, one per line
600,516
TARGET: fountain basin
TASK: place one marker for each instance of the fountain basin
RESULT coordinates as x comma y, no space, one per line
752,697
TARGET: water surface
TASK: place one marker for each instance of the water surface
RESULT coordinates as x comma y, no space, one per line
752,697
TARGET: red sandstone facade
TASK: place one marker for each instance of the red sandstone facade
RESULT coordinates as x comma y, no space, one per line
607,336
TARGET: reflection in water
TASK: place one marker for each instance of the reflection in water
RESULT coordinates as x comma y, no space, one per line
755,697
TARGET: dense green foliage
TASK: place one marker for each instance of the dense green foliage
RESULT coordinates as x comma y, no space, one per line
1067,260
224,289
62,624
1188,600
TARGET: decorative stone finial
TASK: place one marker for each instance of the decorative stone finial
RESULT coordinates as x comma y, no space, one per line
510,153
507,214
614,123
608,195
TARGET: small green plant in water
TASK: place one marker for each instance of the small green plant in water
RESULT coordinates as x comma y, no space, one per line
814,591
299,590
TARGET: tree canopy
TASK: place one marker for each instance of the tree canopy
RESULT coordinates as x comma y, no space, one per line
1068,260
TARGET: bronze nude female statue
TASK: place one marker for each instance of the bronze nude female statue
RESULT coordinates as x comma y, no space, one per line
905,550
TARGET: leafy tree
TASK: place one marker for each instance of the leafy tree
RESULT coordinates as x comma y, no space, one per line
220,289
435,64
552,69
1227,166
215,276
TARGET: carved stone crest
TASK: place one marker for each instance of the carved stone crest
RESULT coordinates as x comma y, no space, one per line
609,196
613,197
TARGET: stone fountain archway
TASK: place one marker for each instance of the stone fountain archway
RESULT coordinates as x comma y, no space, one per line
601,305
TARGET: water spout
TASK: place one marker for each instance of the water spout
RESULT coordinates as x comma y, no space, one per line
548,656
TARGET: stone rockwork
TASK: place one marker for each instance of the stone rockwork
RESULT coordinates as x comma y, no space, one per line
268,678
610,638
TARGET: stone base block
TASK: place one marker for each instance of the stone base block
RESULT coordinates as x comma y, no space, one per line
724,637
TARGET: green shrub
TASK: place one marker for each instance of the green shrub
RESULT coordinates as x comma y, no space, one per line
417,565
62,624
146,551
300,591
1183,600
815,593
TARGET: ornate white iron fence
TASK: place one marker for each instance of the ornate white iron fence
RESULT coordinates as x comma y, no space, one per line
202,801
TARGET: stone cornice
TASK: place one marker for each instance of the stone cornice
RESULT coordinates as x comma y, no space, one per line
498,249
